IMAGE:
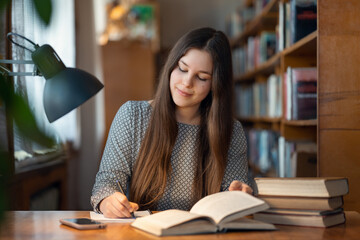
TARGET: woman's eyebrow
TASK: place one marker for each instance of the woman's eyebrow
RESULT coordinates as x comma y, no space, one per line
199,71
183,63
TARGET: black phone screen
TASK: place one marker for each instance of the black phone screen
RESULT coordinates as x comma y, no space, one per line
81,221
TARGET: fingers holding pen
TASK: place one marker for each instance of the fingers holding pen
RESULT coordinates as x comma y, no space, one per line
126,202
122,204
117,205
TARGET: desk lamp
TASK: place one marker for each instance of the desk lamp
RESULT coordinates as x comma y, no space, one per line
65,88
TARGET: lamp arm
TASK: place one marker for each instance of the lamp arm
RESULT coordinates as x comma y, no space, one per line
7,61
7,72
9,36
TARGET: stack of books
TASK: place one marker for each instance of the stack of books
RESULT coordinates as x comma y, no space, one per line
313,202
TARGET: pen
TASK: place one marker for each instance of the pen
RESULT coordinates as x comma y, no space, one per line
122,191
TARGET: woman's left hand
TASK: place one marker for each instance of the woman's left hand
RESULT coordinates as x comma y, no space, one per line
240,186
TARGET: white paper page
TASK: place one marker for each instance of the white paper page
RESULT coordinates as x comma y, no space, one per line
101,218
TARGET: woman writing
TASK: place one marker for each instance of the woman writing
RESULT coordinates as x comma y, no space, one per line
183,145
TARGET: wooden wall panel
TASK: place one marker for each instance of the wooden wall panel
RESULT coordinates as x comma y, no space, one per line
339,93
129,74
339,70
340,157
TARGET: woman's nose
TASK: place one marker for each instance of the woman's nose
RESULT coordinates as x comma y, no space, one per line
187,80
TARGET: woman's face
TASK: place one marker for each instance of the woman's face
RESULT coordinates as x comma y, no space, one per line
190,81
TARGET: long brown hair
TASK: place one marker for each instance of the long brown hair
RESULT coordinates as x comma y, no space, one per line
153,165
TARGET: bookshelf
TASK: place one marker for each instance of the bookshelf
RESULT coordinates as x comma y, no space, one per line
334,49
263,21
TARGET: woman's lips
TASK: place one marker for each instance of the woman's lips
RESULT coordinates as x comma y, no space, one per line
182,93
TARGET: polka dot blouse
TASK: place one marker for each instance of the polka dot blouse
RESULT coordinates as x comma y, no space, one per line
123,144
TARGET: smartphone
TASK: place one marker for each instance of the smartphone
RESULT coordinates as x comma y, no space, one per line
82,223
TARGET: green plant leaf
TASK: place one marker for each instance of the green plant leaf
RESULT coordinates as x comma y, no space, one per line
22,115
44,10
3,4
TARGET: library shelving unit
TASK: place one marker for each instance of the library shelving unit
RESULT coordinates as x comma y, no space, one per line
334,49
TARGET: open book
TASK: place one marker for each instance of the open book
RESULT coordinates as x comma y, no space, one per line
213,213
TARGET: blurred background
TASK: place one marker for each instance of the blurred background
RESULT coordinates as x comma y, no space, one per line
124,44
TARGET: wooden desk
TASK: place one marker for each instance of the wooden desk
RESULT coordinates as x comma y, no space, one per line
45,225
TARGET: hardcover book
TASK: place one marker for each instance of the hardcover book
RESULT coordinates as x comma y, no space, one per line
305,203
213,213
302,218
302,187
304,93
297,158
303,212
303,18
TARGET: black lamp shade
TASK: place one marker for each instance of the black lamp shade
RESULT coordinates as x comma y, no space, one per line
65,88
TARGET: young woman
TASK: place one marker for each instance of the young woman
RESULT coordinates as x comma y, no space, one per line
181,146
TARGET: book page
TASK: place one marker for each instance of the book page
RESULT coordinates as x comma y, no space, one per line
247,224
168,218
229,205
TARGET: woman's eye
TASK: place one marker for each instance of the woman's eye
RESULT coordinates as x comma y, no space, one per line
201,79
182,70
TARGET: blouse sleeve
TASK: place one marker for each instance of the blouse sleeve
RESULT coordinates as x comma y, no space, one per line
237,165
118,157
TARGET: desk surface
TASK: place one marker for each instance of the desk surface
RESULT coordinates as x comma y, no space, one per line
45,225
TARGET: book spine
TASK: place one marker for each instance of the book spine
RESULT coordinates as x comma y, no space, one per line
288,85
303,18
304,93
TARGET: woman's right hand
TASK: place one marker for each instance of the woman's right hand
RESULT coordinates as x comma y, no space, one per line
117,205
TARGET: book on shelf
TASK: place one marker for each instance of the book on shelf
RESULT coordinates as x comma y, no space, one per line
274,96
302,218
306,164
303,18
300,93
213,213
297,19
288,93
237,20
304,93
251,50
267,47
284,106
304,203
297,158
282,27
302,187
244,105
239,61
262,149
234,24
287,24
261,99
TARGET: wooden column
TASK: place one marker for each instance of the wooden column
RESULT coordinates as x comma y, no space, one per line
339,93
